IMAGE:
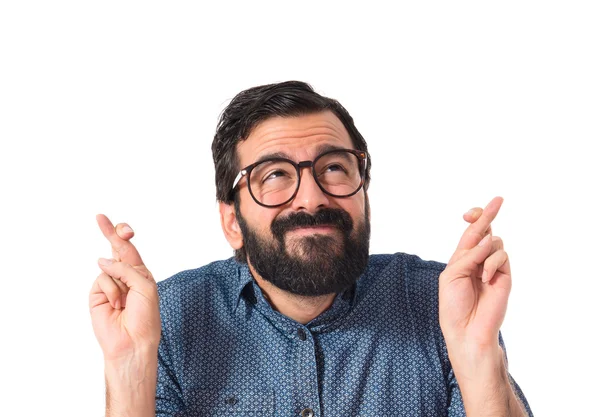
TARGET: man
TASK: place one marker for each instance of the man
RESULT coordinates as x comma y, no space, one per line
303,321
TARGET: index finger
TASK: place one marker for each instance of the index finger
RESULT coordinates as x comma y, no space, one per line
123,250
471,217
478,229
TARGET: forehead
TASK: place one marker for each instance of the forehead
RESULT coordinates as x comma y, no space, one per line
298,137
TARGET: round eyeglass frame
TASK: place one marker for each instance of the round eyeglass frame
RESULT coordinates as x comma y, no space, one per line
360,155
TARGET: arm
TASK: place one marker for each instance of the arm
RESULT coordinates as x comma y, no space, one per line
473,297
124,308
484,382
131,385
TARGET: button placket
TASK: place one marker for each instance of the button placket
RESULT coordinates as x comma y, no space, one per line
307,397
301,334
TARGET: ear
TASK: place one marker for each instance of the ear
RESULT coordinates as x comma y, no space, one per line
230,226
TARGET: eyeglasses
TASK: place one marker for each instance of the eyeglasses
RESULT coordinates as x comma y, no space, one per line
275,181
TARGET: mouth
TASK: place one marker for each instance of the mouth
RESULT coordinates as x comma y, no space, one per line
312,230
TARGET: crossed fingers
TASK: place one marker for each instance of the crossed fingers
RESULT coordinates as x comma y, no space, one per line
481,226
115,281
124,253
122,248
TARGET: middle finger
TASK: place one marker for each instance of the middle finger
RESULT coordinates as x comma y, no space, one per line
479,228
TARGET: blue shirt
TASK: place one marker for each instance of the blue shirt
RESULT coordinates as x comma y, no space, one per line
377,351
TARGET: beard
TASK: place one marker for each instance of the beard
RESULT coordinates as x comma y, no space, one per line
311,265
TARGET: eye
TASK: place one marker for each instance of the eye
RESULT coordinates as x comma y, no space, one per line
274,175
334,168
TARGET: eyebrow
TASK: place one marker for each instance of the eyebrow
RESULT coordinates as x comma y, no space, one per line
271,156
321,149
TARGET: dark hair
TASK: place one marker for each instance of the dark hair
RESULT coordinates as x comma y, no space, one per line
257,104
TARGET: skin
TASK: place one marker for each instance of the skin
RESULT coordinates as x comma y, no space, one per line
300,138
125,315
473,289
473,297
475,286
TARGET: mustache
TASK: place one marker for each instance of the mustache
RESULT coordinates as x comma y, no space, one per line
325,217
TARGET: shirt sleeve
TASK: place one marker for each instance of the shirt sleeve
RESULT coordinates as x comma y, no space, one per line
456,407
168,391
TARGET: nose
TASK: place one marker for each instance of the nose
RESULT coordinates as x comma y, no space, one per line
309,196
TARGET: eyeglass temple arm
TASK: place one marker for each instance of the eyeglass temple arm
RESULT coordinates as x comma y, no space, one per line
238,178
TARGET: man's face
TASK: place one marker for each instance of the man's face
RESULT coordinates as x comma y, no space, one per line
316,244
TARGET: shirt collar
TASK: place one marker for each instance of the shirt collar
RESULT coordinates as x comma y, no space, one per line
247,288
244,277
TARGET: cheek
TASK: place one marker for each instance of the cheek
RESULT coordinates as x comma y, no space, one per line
264,221
355,206
257,217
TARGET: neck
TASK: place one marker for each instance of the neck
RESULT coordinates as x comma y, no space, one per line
297,307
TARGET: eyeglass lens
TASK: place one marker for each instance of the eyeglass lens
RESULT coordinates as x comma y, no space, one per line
274,182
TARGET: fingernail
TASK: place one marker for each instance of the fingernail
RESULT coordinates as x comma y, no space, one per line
127,229
484,276
118,304
105,262
468,213
484,240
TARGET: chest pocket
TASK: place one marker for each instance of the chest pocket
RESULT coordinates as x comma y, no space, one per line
230,403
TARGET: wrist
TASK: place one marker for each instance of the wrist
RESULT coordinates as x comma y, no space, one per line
132,369
147,353
482,376
131,384
478,358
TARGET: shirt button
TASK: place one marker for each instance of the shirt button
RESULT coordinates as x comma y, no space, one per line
302,336
307,412
231,401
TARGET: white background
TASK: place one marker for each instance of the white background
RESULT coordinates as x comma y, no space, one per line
110,107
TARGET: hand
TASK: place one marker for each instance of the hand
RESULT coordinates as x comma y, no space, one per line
124,299
474,287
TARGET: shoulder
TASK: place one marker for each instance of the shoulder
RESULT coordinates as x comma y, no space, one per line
200,284
205,273
401,275
410,268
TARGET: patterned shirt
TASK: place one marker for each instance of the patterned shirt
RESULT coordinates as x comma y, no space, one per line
377,351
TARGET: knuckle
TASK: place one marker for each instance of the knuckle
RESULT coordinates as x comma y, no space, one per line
473,264
142,270
122,250
123,266
119,283
103,277
475,235
113,292
498,257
